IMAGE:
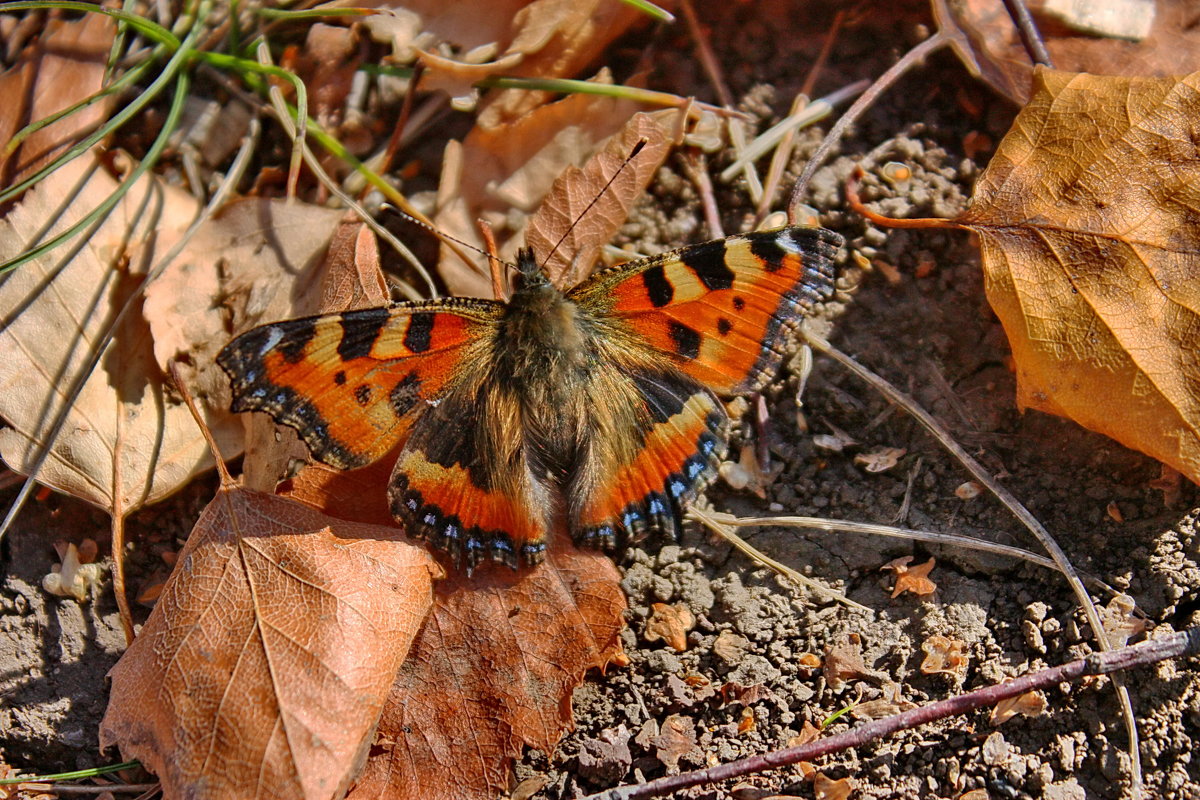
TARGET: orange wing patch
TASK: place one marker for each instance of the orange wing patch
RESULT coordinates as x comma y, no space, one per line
721,310
678,456
351,384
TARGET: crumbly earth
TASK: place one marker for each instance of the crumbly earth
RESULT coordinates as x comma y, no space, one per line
934,337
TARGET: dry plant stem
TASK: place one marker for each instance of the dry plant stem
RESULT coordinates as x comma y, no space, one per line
704,51
67,788
854,201
1021,513
1030,37
227,481
783,152
909,534
495,265
285,119
696,166
1184,643
864,101
393,145
720,524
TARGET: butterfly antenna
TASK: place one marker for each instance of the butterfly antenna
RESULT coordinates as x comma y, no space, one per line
443,235
637,148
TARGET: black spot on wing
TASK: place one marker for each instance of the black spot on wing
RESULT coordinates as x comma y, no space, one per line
420,331
405,395
663,394
658,288
362,393
339,377
296,336
765,248
686,339
708,262
724,326
739,303
360,329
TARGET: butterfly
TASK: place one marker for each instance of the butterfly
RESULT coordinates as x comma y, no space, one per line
592,411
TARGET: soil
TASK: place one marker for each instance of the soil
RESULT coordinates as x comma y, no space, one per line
935,338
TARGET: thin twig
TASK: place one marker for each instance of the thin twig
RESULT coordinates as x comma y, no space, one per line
1184,643
1031,38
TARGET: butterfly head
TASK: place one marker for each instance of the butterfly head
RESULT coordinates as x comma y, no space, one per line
530,276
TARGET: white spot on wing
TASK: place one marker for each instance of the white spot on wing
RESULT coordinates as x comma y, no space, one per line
785,240
274,336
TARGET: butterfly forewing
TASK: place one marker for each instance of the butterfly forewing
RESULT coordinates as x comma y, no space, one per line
351,384
721,310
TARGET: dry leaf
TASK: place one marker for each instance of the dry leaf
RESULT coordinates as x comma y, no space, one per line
677,741
912,579
844,662
945,655
1121,622
881,459
825,788
576,189
62,66
1030,704
987,41
74,577
126,441
351,277
1085,221
968,490
887,706
669,624
264,665
494,665
808,733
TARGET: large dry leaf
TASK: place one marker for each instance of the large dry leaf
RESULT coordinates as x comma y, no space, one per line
126,441
1087,222
64,65
494,665
265,663
492,670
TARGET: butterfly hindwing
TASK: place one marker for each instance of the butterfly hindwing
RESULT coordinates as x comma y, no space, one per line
720,310
352,384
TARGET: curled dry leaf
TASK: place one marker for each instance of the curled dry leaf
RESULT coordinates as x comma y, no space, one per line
265,663
1030,704
844,662
676,741
63,66
1089,245
889,705
881,459
946,656
126,440
669,624
494,665
912,579
968,490
825,788
544,39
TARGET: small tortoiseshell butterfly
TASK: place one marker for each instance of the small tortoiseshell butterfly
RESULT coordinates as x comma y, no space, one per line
591,411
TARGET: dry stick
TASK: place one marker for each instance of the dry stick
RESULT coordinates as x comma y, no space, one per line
1031,38
1184,643
696,166
708,60
783,152
393,145
881,84
495,265
1020,512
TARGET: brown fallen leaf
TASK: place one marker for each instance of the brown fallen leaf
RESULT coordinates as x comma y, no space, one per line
1089,253
126,441
946,656
494,665
1030,704
1121,621
912,579
676,741
670,624
881,459
265,663
844,662
826,788
889,705
61,67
